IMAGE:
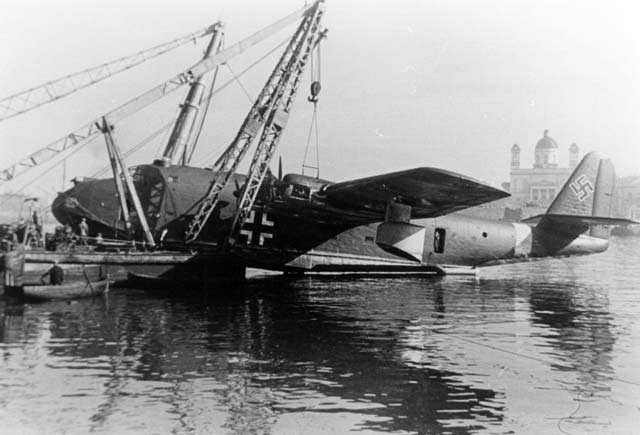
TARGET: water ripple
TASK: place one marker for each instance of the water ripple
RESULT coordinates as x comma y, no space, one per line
540,347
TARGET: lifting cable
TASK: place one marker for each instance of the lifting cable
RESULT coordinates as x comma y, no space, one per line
237,79
270,52
315,88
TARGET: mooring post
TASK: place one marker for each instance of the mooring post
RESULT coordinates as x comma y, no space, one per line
13,266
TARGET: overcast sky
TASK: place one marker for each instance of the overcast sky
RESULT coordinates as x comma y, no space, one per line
451,84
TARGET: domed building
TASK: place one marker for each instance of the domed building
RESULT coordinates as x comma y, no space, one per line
546,152
538,186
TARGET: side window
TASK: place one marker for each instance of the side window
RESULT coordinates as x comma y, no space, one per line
439,237
300,191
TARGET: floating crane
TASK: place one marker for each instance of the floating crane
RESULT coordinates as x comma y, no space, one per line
92,129
266,119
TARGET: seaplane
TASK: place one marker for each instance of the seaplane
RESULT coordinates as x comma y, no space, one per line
400,222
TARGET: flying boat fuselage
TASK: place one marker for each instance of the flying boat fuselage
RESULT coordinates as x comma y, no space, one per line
295,225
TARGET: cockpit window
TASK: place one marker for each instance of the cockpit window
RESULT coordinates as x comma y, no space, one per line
137,175
300,191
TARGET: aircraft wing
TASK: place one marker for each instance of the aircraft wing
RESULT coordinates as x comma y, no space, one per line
429,191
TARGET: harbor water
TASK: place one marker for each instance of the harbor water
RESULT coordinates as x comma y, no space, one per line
543,347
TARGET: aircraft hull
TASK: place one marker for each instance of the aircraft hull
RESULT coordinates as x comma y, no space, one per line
284,244
294,235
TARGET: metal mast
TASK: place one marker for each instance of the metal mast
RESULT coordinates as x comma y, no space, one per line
120,169
271,111
179,139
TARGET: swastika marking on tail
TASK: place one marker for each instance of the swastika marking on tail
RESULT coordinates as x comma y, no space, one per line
581,187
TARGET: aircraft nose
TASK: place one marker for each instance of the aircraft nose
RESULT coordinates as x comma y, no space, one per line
58,202
63,205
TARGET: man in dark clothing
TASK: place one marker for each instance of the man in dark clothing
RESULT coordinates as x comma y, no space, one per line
37,223
10,240
56,275
21,230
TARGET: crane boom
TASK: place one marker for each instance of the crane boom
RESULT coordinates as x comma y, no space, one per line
266,113
90,130
275,125
50,91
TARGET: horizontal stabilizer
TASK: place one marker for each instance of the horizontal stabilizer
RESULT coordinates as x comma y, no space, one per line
429,191
566,219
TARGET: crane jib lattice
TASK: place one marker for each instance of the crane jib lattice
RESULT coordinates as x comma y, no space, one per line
269,113
89,130
53,90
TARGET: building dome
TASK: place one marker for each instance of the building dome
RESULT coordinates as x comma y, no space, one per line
546,143
515,147
546,155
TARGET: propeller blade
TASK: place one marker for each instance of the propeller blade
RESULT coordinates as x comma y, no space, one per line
238,189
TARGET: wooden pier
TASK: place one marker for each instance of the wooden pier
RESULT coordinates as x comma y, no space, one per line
116,258
22,267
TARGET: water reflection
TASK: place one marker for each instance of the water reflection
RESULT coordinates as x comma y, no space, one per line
314,356
579,325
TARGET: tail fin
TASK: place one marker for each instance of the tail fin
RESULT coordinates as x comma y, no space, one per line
586,200
589,190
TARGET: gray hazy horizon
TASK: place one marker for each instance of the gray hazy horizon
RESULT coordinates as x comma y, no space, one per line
405,84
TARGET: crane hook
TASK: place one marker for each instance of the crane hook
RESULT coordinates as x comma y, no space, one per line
315,91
